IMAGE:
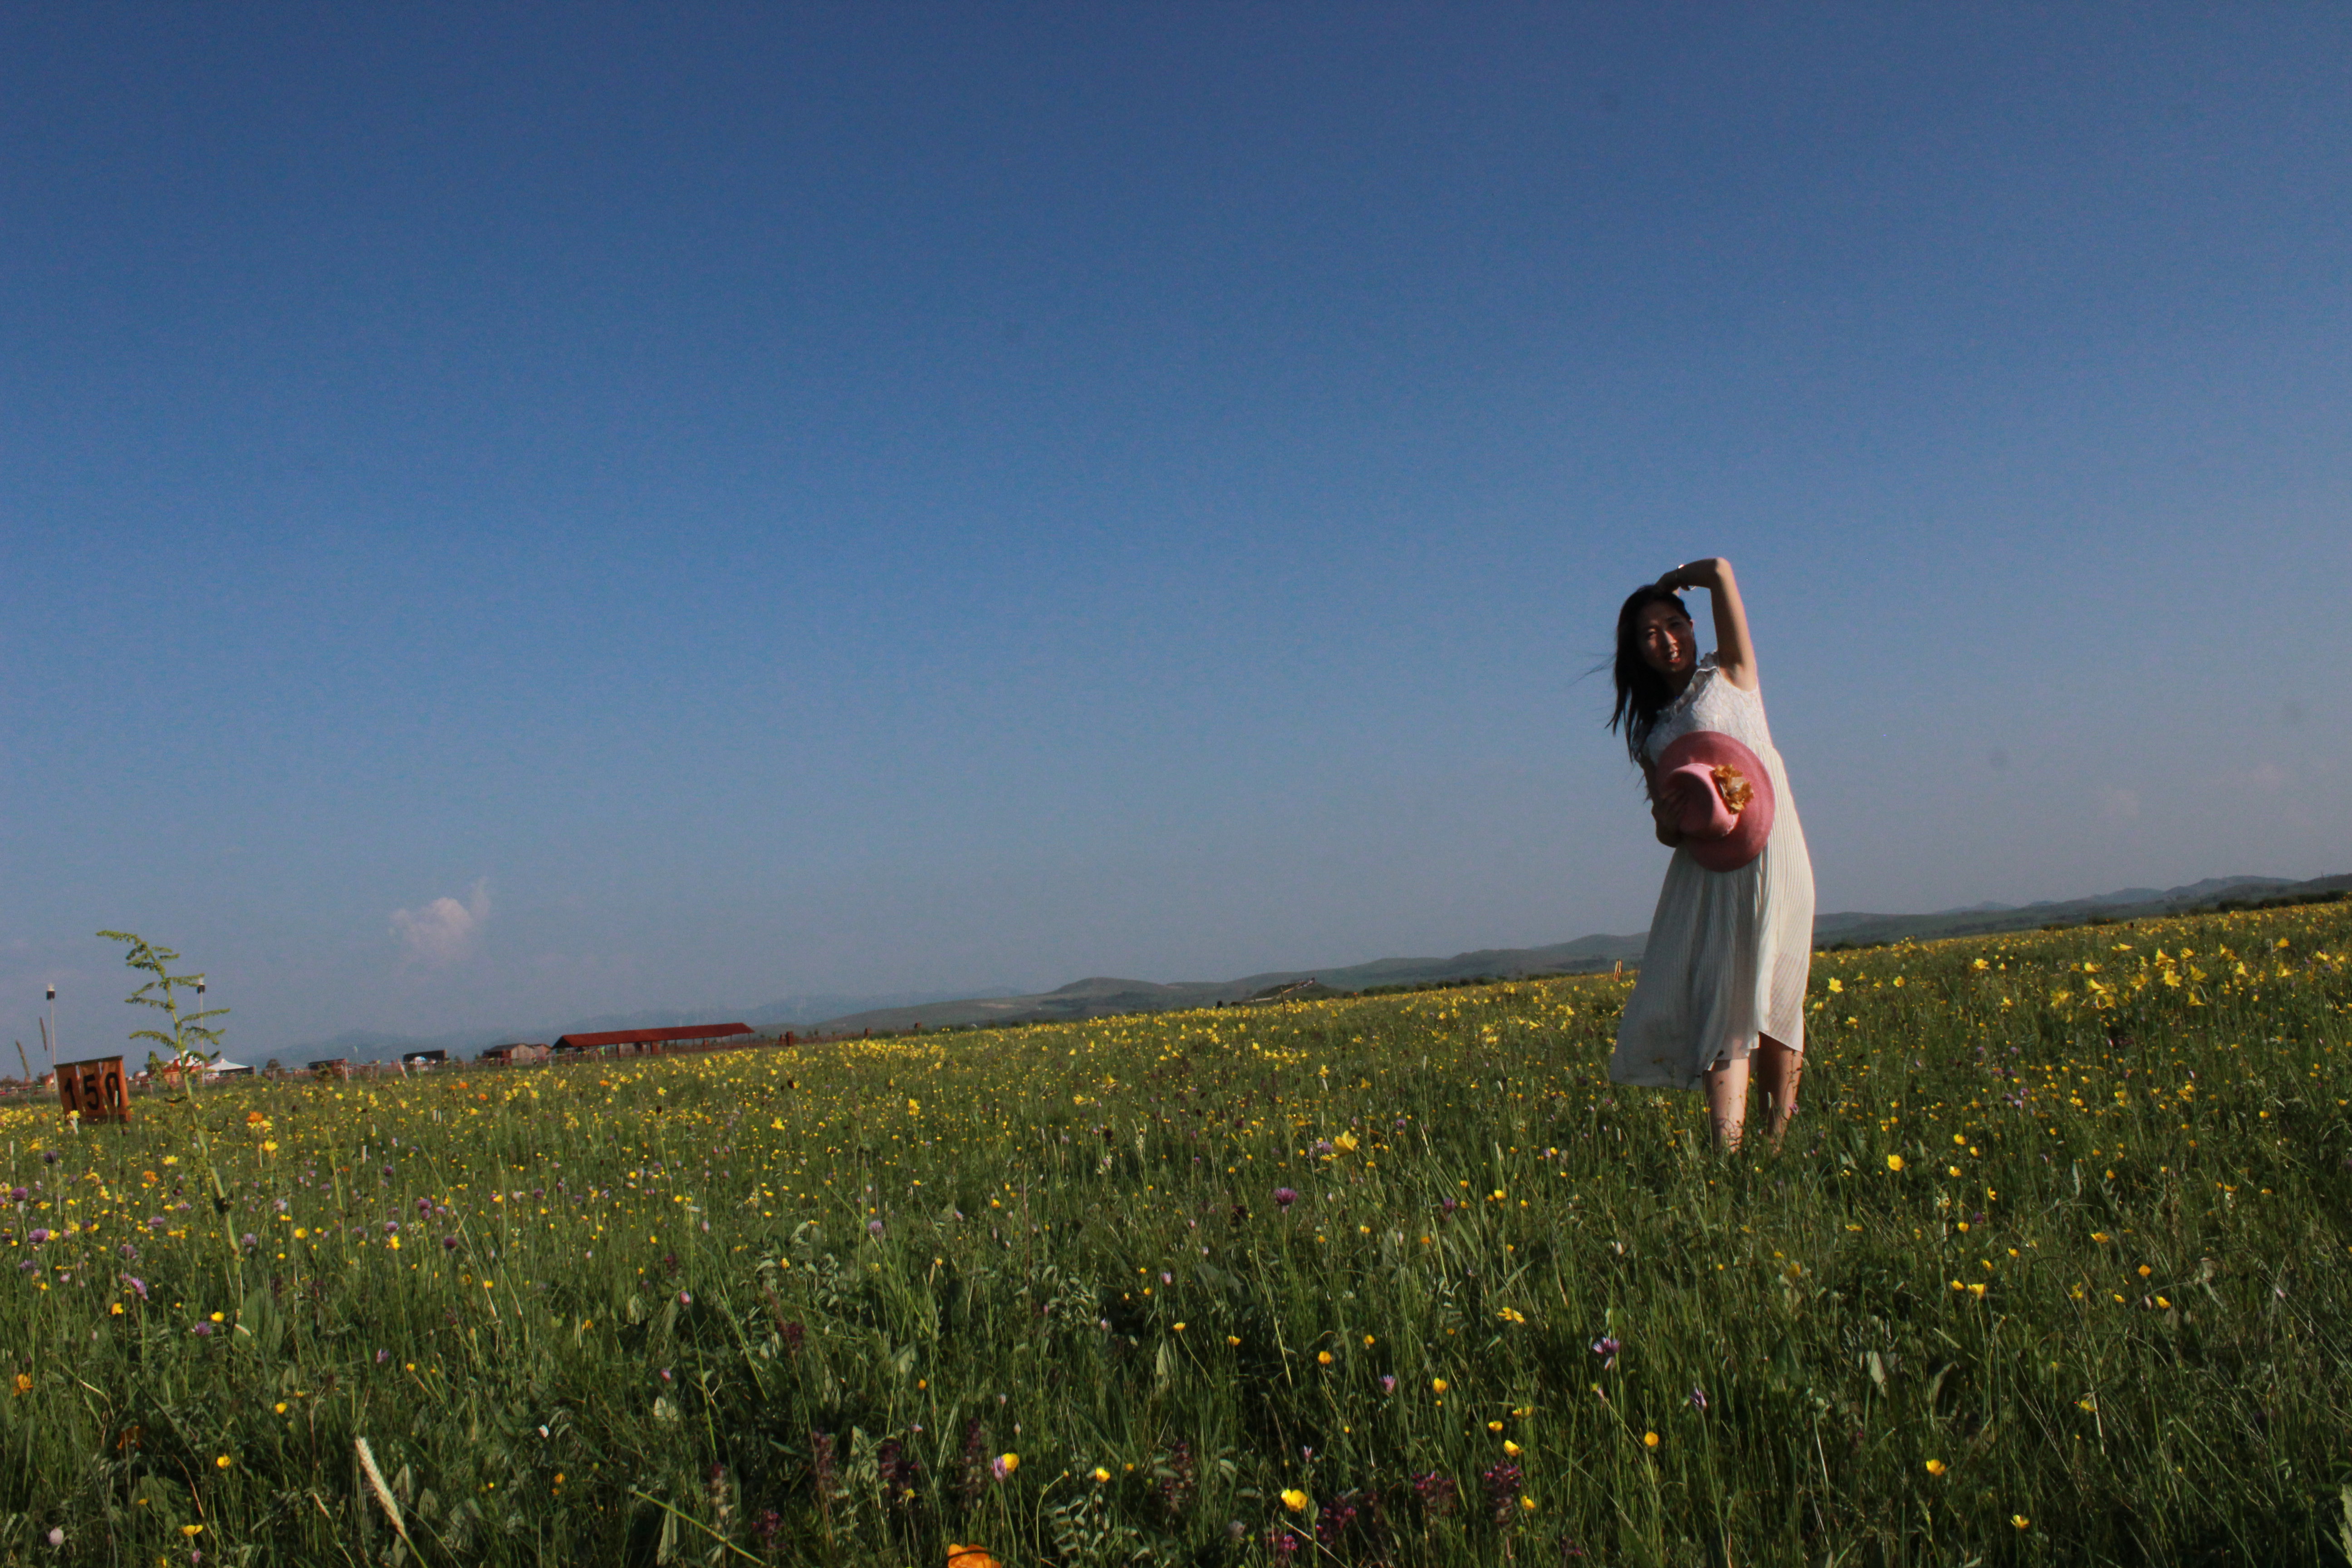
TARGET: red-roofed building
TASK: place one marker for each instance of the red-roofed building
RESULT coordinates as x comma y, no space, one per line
629,1041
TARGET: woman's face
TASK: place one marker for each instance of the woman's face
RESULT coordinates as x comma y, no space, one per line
1662,633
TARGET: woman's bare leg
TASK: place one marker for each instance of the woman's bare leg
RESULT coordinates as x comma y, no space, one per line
1727,1101
1779,1072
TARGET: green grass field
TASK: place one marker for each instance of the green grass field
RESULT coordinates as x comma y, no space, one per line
2056,1266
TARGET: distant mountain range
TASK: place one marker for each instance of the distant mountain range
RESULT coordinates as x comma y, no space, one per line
1100,996
1097,997
2127,903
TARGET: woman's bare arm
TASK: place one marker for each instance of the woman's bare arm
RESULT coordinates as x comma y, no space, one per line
1735,654
1669,825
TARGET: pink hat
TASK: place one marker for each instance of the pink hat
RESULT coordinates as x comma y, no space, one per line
1723,796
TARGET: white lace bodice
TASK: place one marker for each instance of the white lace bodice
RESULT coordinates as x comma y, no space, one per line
1711,702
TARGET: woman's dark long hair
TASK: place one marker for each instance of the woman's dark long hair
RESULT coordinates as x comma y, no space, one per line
1642,692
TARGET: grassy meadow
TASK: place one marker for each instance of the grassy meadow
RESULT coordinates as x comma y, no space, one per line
2056,1266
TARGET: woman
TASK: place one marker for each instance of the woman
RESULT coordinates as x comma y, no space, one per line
1721,995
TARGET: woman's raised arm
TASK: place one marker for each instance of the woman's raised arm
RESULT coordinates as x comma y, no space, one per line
1735,654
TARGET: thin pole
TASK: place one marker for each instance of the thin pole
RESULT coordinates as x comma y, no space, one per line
52,1041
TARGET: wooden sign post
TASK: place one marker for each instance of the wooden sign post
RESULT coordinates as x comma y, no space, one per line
94,1089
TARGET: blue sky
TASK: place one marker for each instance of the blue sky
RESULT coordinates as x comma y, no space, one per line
518,513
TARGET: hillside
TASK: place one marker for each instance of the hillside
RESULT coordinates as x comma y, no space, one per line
1102,996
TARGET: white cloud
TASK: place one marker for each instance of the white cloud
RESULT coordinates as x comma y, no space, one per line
444,931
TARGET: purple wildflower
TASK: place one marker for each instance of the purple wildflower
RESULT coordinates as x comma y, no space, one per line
1331,1521
900,1474
1285,1196
874,1228
974,1479
1502,1483
825,1472
1387,1382
1179,1480
1698,1399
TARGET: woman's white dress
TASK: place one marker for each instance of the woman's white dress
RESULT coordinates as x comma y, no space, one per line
1728,951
